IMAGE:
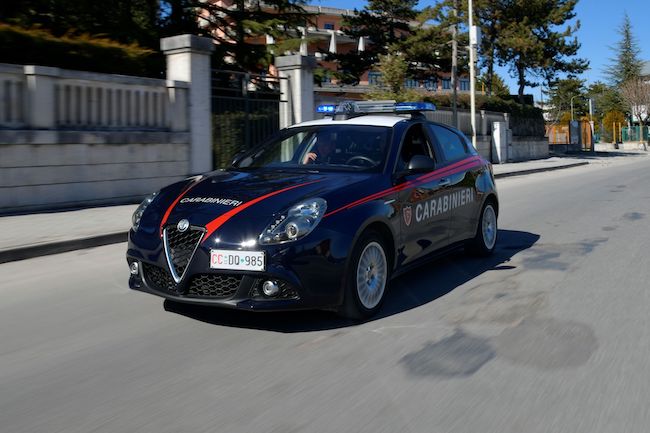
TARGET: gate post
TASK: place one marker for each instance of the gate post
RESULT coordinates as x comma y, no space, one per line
188,59
296,87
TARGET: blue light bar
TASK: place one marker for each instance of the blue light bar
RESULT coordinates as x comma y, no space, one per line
326,109
403,107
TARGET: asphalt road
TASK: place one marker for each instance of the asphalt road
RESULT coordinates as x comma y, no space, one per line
551,334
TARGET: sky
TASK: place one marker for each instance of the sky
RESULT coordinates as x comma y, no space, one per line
599,21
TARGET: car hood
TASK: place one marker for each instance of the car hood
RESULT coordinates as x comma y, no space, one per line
232,204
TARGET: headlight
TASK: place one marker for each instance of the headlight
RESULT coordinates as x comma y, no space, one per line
297,223
137,215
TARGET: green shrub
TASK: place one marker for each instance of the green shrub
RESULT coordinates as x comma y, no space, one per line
229,129
86,53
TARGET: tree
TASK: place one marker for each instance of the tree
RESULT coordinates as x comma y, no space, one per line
393,69
179,17
626,63
611,121
605,99
238,25
127,21
560,95
427,49
499,87
383,23
635,92
532,44
490,18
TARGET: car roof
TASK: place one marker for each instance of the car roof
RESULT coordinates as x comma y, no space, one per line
366,119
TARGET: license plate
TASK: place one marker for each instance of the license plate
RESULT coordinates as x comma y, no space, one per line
237,260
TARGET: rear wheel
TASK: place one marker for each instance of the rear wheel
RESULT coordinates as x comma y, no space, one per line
366,283
486,234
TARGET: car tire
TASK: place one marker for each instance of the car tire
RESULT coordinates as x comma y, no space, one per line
485,240
367,279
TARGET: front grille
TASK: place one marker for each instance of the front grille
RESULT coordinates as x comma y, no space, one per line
213,286
158,278
180,247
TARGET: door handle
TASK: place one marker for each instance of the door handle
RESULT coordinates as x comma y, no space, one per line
444,181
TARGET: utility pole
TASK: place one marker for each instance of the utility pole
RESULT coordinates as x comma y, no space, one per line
454,66
473,42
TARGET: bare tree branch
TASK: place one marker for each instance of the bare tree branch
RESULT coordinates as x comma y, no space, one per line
636,95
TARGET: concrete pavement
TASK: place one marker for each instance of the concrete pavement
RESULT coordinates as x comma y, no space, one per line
551,334
33,235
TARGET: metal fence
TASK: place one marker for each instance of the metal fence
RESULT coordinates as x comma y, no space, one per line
635,133
246,111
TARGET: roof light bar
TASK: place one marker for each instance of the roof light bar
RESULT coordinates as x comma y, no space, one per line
358,108
407,107
326,109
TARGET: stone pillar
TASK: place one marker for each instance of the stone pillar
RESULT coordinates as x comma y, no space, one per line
188,59
41,106
177,114
297,87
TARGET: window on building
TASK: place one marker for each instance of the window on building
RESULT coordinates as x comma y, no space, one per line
446,83
411,83
464,84
431,84
329,26
374,78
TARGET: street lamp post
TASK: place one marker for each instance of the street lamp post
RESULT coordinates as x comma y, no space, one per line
574,96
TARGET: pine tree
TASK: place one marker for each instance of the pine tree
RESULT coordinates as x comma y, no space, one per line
384,23
239,26
532,44
626,63
490,17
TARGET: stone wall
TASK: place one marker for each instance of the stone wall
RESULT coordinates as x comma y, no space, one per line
85,169
519,149
74,138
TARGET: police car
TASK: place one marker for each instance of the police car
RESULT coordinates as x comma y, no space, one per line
322,216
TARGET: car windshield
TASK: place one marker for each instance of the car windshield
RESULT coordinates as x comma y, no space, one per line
323,147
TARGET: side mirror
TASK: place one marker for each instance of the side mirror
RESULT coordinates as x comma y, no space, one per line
421,164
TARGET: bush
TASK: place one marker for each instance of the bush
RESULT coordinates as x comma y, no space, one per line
229,129
39,47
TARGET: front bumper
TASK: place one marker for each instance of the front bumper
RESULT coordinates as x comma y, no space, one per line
310,276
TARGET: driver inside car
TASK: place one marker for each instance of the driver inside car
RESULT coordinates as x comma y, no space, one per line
321,151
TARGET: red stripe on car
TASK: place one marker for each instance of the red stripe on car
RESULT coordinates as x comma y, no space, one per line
213,225
175,202
449,170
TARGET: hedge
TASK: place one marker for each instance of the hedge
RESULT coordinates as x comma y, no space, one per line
36,46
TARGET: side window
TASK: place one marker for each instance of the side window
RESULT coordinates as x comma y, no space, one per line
451,144
415,143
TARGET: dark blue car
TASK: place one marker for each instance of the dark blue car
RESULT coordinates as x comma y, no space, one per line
322,216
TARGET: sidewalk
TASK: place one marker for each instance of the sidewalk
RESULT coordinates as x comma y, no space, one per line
33,235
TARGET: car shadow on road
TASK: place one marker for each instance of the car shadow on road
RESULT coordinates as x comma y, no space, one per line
411,290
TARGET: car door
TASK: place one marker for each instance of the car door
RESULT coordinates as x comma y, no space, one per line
463,195
424,225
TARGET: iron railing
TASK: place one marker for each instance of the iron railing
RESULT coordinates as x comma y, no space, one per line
246,111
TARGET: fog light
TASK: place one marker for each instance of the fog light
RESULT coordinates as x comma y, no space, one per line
270,288
135,269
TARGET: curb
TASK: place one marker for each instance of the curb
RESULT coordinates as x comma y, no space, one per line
539,170
22,253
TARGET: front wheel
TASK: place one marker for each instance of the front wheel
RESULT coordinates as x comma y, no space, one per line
486,234
366,283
